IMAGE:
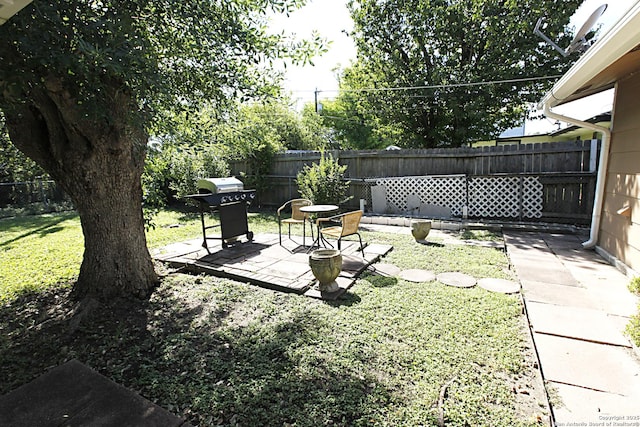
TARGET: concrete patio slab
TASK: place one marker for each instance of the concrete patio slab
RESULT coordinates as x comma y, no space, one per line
581,257
532,254
582,406
377,249
264,262
523,241
570,296
73,394
544,270
556,241
613,296
588,365
186,247
573,322
285,269
344,283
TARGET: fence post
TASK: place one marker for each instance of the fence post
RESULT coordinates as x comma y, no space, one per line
43,194
466,193
520,197
593,155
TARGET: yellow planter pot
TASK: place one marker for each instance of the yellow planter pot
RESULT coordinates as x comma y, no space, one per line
326,265
420,228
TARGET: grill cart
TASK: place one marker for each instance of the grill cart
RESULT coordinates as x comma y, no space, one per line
230,200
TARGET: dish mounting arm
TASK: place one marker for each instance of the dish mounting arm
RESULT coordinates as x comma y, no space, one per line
539,33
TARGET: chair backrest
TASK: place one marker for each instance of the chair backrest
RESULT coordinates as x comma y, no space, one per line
351,222
296,204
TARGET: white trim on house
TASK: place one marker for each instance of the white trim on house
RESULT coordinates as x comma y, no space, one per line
621,39
618,41
8,8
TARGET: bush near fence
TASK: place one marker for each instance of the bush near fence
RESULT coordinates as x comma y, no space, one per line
41,195
566,171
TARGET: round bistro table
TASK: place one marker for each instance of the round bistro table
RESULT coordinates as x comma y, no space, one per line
319,210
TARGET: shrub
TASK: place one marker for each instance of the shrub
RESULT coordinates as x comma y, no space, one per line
173,172
633,328
323,182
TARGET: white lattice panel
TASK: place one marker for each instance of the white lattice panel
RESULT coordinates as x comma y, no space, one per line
494,197
448,191
489,197
532,197
499,197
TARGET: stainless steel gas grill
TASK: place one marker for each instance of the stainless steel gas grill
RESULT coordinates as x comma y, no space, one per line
230,200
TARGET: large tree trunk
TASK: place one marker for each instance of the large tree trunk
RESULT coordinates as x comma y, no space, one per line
98,159
116,259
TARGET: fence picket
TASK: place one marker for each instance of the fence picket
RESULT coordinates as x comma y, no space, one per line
565,171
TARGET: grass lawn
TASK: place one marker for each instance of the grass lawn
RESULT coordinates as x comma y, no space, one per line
220,352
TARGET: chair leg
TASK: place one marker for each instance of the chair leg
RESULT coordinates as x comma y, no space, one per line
361,246
280,232
310,227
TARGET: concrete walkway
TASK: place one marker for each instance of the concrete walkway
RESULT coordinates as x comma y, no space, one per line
578,306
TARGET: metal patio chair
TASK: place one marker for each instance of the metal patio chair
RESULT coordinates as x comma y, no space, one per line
348,226
296,217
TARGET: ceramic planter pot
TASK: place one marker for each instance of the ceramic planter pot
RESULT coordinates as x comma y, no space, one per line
326,265
420,228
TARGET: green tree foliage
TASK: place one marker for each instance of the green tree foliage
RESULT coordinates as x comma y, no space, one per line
445,45
323,182
200,145
256,143
15,166
172,172
319,136
82,83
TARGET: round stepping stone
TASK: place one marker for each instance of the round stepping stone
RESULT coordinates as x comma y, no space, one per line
459,280
383,269
499,285
417,276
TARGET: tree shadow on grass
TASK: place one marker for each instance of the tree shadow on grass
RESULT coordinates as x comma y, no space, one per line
41,225
429,243
210,358
379,280
348,299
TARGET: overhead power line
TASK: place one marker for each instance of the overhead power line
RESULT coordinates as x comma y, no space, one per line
441,86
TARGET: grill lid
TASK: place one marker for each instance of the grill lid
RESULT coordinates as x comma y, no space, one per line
219,185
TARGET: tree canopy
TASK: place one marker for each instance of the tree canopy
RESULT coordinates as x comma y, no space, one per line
424,67
82,82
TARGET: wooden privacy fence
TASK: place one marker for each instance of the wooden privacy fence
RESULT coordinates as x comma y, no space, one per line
557,179
22,194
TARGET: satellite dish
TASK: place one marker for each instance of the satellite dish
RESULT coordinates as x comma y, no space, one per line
579,42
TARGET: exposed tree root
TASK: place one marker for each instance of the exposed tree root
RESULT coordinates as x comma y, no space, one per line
443,395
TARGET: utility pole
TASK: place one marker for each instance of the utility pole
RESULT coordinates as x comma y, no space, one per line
315,95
